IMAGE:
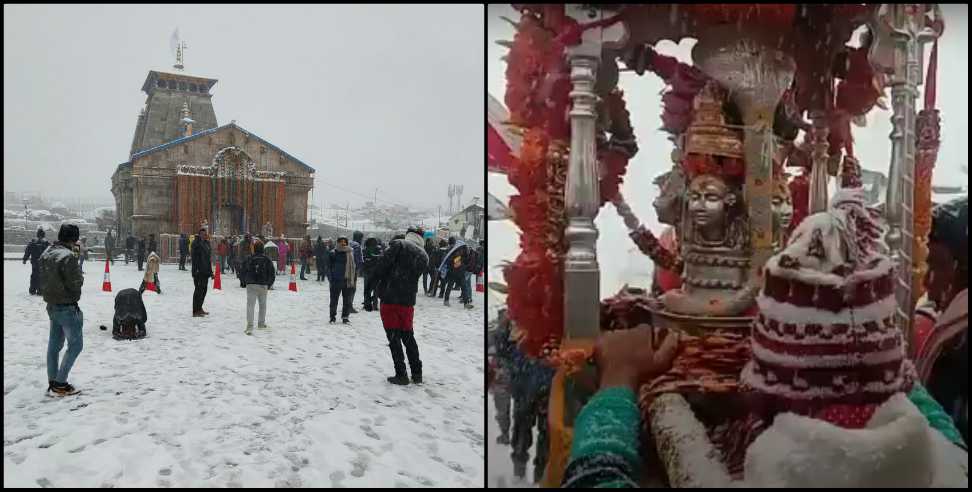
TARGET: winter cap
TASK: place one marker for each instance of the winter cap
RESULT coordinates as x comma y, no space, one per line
825,333
342,237
68,233
415,238
40,233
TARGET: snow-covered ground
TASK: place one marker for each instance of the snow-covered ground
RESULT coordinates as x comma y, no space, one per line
198,403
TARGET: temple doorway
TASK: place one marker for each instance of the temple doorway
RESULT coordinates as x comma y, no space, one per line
230,220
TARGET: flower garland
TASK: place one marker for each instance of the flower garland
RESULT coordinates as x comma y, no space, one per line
537,95
614,156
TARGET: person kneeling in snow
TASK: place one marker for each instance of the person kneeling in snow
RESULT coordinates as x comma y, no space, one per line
150,280
396,275
130,315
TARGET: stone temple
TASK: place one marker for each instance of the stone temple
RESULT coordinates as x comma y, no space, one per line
184,171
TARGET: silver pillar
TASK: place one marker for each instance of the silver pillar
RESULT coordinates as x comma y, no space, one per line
581,271
818,173
901,28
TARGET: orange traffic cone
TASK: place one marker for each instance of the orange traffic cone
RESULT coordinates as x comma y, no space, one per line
106,285
293,278
217,282
479,283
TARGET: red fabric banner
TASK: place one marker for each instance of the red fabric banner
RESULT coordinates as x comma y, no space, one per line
499,155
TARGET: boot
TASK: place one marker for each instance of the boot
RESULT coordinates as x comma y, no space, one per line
346,321
416,379
248,330
204,312
446,303
197,314
469,305
398,379
331,321
63,389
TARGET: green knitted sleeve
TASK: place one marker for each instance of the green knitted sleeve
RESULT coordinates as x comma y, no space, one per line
933,412
604,452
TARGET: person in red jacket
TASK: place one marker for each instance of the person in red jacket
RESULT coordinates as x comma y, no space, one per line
306,252
222,251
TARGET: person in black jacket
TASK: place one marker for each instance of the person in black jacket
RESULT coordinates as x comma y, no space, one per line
61,287
396,274
153,246
130,244
183,250
429,249
110,247
202,270
33,252
472,269
320,258
435,259
140,253
456,262
342,275
371,254
258,276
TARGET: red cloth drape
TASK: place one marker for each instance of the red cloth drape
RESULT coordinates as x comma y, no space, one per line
499,155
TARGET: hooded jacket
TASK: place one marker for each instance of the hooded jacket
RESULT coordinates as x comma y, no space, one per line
35,248
397,270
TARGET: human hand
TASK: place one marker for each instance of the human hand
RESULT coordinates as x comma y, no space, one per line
629,357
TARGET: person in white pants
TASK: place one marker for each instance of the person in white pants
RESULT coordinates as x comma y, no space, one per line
257,275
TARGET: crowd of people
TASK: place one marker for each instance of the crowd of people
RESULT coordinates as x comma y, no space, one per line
391,275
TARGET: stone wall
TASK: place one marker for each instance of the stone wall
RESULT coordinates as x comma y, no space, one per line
151,181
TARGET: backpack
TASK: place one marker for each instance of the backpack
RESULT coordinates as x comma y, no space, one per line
259,269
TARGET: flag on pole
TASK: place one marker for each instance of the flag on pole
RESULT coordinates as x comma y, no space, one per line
174,41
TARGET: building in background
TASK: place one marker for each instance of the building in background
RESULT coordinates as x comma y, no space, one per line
184,171
470,217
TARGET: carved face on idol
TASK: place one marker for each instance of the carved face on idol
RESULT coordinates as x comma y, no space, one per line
709,201
782,210
668,203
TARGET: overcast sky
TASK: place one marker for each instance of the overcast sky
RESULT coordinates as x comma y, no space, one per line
871,144
370,96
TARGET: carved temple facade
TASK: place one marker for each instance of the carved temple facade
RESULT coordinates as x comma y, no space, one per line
225,177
